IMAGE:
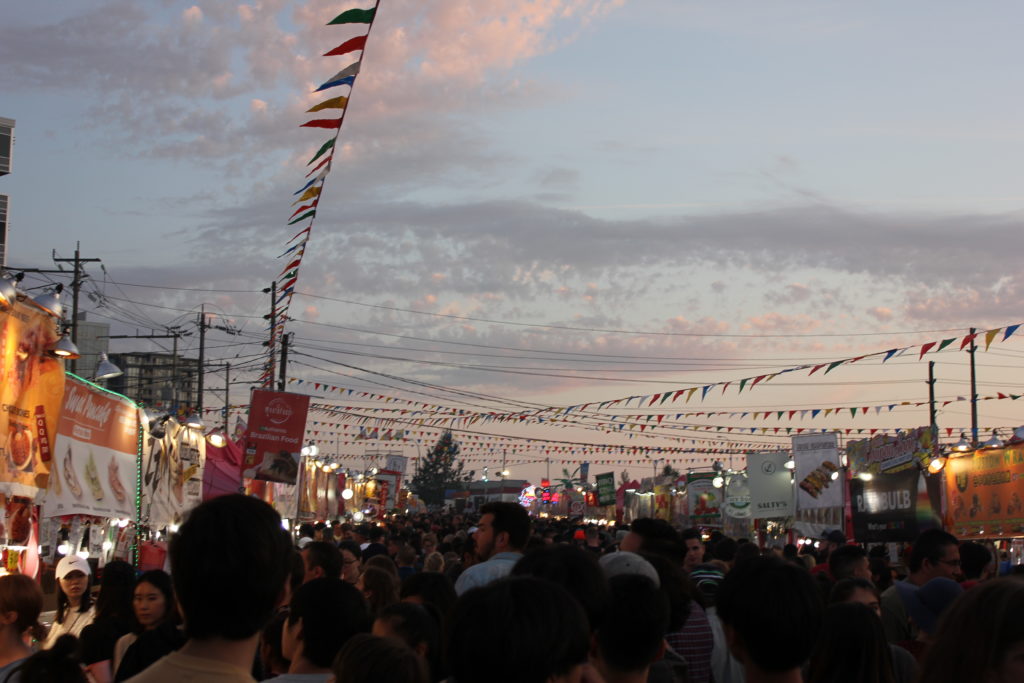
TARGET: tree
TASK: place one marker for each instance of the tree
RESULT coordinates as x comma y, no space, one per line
669,471
439,471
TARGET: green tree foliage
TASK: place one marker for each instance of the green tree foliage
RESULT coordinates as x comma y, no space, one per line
439,471
669,471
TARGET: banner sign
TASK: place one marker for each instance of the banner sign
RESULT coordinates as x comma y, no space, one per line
396,463
737,496
819,498
885,509
605,488
771,485
96,449
31,389
984,493
703,500
277,424
172,473
886,453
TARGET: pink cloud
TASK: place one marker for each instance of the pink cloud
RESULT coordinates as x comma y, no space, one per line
880,313
782,324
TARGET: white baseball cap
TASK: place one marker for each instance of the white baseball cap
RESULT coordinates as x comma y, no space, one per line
72,563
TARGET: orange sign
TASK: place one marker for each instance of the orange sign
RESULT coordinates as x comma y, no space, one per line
985,493
31,389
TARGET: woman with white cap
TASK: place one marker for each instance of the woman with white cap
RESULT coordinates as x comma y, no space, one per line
74,603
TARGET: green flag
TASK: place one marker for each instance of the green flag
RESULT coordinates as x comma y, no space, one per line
354,16
327,145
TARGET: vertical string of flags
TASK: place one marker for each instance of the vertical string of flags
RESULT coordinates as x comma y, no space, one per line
308,196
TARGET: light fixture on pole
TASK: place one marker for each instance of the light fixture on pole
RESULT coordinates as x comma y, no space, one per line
790,464
194,421
105,369
65,348
963,445
50,301
936,464
157,424
217,438
9,290
994,442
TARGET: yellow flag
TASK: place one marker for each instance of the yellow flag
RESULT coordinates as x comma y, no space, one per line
333,103
990,335
308,194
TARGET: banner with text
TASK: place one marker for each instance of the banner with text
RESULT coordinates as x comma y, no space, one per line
31,389
884,509
96,449
277,424
771,485
819,497
704,504
605,488
984,493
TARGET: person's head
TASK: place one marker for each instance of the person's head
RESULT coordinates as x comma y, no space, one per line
630,635
981,637
271,656
650,535
21,601
746,551
724,550
849,561
418,626
677,588
926,604
307,530
572,568
117,581
384,562
350,561
934,554
321,559
503,527
429,588
771,613
406,556
706,578
153,600
379,588
975,560
881,573
428,544
324,614
694,549
856,590
833,540
851,646
74,578
229,565
58,664
547,625
371,659
434,562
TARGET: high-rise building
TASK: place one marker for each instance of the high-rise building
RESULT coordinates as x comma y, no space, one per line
6,147
157,380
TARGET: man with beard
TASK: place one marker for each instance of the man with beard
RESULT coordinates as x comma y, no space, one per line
500,537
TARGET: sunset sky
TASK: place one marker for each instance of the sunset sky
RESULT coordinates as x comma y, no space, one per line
547,203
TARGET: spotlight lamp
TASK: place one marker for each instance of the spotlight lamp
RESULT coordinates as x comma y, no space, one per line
65,348
963,445
936,464
194,421
50,301
9,290
106,370
993,442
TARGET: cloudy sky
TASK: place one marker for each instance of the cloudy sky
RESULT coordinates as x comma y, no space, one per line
546,203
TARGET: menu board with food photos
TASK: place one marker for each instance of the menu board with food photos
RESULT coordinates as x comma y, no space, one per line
95,454
31,388
172,473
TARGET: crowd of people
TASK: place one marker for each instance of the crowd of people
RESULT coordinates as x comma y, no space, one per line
505,597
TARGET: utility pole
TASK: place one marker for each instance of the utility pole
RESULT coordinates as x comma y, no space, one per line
285,340
76,285
974,394
202,358
272,317
227,397
931,408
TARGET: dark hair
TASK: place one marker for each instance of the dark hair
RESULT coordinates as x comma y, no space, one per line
274,660
689,534
677,587
659,537
406,556
296,571
746,551
416,625
63,604
976,632
974,557
59,664
229,565
117,587
929,545
844,560
851,647
352,547
306,530
159,579
575,570
844,589
775,610
790,551
324,555
630,634
371,659
432,588
511,518
22,595
332,611
547,625
881,573
725,549
382,587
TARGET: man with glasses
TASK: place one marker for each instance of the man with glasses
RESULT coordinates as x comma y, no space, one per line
934,554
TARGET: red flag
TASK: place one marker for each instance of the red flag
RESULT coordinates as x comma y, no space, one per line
322,123
967,340
926,348
350,45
